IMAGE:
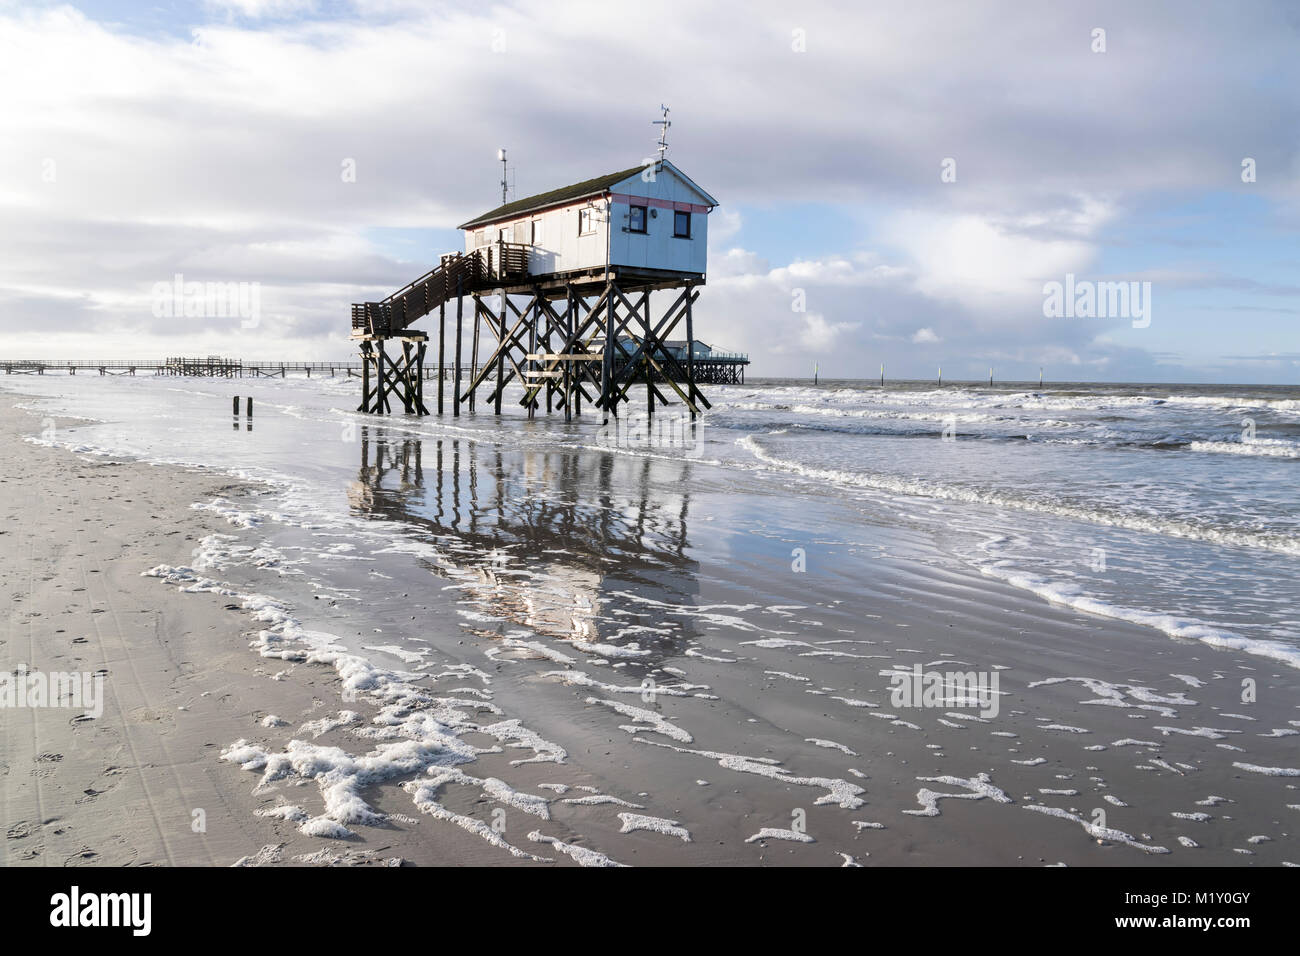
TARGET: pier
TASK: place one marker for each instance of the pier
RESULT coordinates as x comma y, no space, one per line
208,367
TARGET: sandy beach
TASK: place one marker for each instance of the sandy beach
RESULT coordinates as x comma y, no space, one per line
634,677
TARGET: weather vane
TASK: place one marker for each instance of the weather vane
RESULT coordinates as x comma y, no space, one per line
663,125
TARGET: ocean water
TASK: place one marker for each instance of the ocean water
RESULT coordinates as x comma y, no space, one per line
739,596
1173,506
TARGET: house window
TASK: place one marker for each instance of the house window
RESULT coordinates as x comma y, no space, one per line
636,219
480,237
682,225
503,234
586,222
537,232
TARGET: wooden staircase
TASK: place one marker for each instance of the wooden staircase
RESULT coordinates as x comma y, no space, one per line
457,274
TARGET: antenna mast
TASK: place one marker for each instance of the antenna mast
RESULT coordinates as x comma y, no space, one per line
501,155
663,125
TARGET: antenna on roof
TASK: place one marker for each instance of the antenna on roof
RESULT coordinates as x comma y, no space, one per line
505,175
663,125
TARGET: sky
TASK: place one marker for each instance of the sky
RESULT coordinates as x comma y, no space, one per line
900,183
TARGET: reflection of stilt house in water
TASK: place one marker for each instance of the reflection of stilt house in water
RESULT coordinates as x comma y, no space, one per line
569,274
536,558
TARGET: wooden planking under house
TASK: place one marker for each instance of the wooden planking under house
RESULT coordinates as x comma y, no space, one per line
562,282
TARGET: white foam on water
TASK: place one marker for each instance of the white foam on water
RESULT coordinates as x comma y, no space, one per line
653,721
980,787
583,679
913,487
601,799
636,821
773,833
1068,594
581,855
1096,831
1209,733
830,745
1272,449
839,792
1268,771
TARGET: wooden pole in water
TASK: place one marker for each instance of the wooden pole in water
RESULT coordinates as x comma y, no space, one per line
940,376
568,366
1040,377
990,376
532,350
248,406
690,351
814,373
882,374
575,379
501,355
473,355
607,364
442,347
236,406
460,311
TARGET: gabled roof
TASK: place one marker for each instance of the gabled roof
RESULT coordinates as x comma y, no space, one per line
555,197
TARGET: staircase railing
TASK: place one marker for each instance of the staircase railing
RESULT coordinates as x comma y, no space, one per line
419,298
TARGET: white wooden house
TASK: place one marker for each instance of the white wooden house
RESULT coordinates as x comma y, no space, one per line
647,220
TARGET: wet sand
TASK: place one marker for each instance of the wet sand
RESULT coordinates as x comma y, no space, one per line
756,697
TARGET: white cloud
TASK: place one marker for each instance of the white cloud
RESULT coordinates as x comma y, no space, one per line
982,259
257,9
220,154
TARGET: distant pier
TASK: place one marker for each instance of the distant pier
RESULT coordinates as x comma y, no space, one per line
717,368
205,367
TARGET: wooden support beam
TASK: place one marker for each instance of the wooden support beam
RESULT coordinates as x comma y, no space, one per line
442,347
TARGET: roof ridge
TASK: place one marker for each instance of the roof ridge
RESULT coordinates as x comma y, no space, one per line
553,197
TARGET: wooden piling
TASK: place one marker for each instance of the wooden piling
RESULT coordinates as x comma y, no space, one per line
460,313
501,355
568,366
473,355
690,345
442,347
